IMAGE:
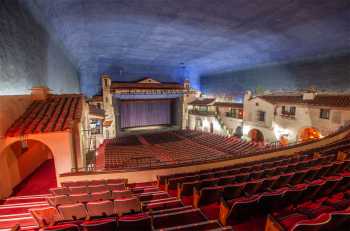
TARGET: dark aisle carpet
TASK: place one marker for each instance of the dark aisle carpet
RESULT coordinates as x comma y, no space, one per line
39,182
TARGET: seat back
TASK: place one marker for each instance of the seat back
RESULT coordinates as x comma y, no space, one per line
328,187
63,227
72,211
210,195
75,183
291,196
59,191
242,210
100,208
298,177
121,194
101,196
78,189
135,222
310,192
252,187
127,205
59,200
187,187
119,186
232,191
226,180
315,224
269,202
282,180
340,220
99,225
242,177
207,183
97,182
267,183
97,188
82,197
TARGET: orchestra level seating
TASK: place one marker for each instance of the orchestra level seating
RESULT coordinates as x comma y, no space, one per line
171,149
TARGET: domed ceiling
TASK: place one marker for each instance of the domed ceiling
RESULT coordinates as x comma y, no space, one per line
177,39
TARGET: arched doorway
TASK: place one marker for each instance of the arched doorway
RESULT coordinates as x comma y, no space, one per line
283,140
239,132
198,124
308,134
256,136
30,167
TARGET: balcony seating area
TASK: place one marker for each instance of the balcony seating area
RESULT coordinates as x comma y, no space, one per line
56,113
297,192
145,207
170,148
239,195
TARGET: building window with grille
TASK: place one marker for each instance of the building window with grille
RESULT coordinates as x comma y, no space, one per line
288,111
261,116
324,113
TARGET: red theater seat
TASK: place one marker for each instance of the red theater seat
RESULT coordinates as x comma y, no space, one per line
99,225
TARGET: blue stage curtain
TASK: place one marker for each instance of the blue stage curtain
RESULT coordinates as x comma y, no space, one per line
140,113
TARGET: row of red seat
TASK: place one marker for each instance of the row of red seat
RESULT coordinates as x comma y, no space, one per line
231,187
239,210
227,144
313,207
93,182
256,165
171,148
166,213
171,182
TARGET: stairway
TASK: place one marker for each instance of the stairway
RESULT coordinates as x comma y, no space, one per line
222,124
14,211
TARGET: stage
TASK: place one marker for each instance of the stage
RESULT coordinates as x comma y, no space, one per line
148,129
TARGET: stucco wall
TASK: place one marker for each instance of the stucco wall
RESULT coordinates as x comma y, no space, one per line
28,57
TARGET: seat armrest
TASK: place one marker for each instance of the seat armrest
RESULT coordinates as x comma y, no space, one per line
224,212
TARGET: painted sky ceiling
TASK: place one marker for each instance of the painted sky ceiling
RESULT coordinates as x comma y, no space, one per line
189,38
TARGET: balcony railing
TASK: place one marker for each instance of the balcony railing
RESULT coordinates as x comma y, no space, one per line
233,115
288,116
202,113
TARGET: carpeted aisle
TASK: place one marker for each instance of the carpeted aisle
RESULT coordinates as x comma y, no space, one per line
39,182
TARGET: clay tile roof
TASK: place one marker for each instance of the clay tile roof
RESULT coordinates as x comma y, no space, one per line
319,100
56,113
202,101
229,104
94,110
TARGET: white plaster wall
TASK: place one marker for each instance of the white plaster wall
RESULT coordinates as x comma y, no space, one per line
206,120
230,123
251,107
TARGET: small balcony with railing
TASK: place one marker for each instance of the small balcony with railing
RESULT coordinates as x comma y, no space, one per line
287,115
201,112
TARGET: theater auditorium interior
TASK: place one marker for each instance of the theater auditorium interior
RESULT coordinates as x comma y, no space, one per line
174,115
